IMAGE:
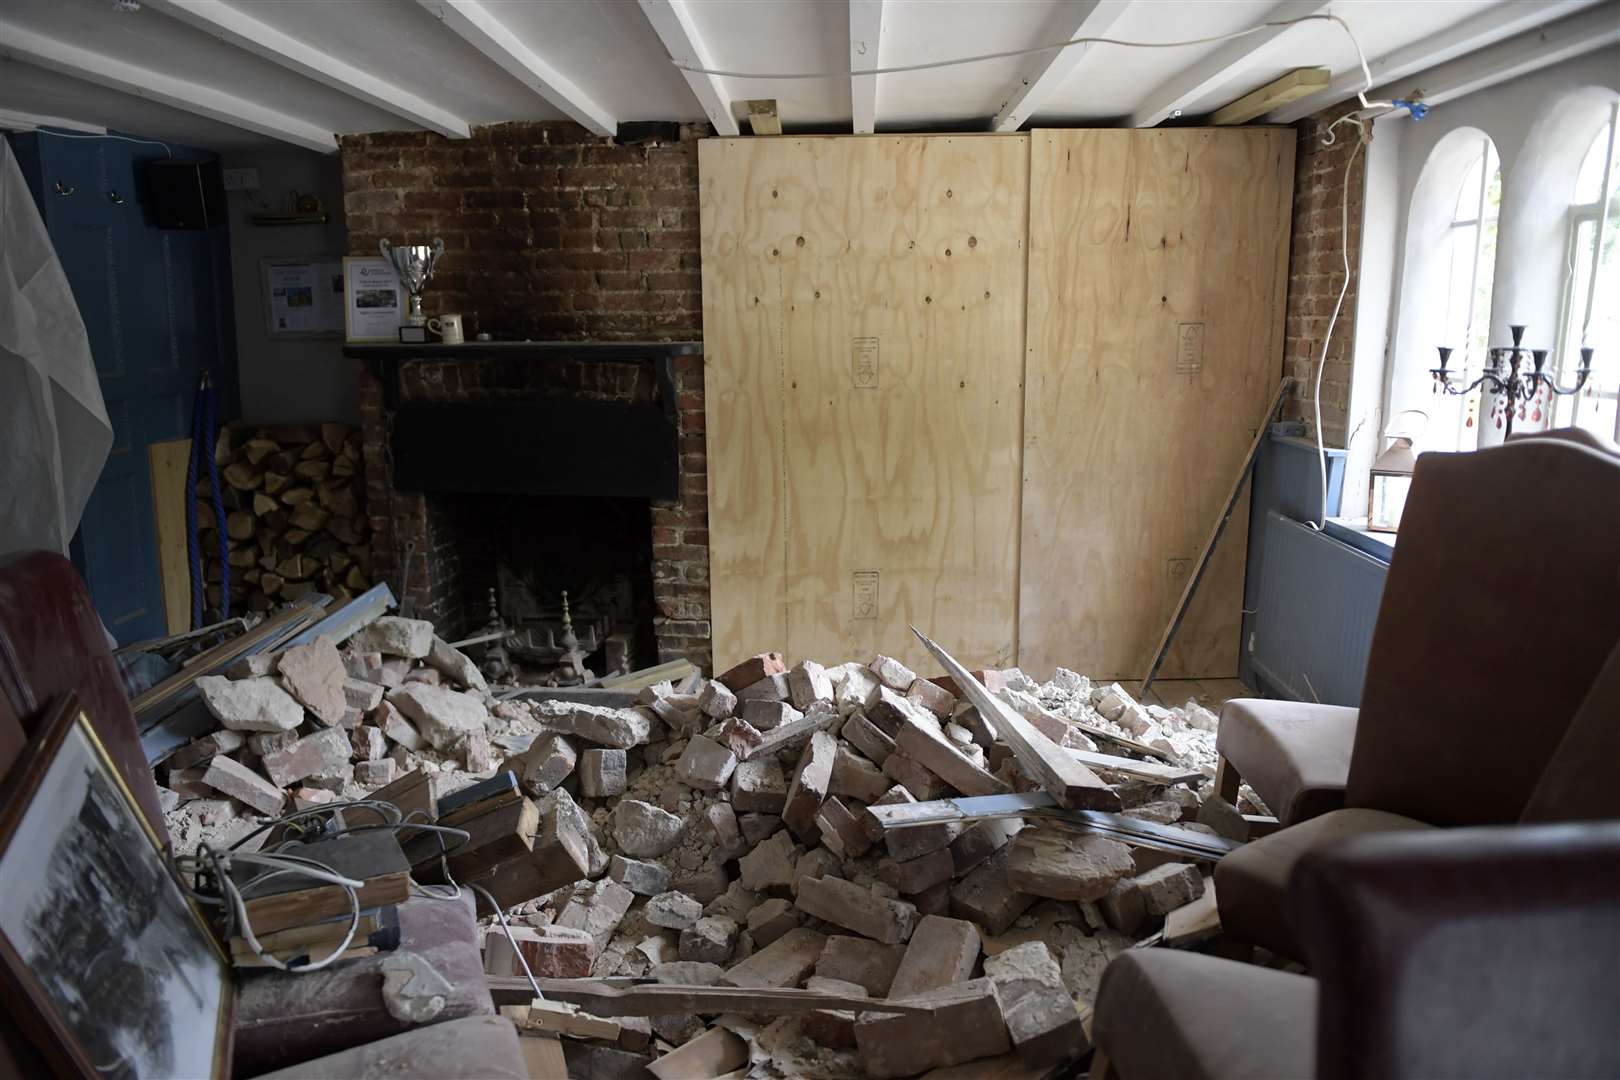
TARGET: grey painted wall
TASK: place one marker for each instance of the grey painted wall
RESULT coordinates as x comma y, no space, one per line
287,380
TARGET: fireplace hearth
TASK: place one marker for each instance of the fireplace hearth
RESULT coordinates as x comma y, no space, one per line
501,476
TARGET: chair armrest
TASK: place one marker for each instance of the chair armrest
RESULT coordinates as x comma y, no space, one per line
1465,952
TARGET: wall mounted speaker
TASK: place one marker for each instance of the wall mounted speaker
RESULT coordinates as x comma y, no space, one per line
185,194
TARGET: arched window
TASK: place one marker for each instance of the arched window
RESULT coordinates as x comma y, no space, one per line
1591,315
1468,289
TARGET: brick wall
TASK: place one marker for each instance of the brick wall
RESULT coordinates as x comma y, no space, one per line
550,234
1316,269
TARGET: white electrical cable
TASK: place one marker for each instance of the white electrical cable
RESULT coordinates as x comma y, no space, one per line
1328,139
121,138
1054,46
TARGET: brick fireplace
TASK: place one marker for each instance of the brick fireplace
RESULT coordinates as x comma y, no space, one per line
555,235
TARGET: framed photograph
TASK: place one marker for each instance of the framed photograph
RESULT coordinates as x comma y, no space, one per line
373,299
303,298
102,956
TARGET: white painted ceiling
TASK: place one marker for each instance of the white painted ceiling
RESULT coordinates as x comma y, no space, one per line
167,71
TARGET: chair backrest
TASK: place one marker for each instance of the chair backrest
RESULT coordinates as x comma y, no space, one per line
1579,783
51,642
1501,604
1485,953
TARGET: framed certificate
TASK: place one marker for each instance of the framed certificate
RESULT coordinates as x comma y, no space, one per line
373,299
302,297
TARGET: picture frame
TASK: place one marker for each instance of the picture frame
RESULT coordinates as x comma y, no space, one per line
303,297
373,299
104,959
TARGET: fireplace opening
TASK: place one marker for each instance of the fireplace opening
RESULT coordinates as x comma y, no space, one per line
522,556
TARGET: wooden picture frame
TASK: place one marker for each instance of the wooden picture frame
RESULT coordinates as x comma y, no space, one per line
104,959
322,297
368,314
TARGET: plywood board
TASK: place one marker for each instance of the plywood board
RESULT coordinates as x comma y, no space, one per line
863,326
1157,279
167,461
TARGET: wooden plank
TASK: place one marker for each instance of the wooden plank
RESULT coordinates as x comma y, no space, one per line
1195,921
288,620
863,321
167,463
1274,95
1223,519
1125,741
762,117
1069,782
542,1057
1147,771
630,998
713,1053
1158,273
1038,804
413,794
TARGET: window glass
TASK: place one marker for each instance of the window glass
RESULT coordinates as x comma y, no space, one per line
1592,296
1471,271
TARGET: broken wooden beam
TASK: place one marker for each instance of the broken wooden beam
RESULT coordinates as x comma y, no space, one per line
1063,777
624,997
1038,804
1149,772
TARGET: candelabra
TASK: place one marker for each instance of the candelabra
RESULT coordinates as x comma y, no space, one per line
1519,388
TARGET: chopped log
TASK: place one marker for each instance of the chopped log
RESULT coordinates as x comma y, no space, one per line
242,558
344,465
239,525
314,450
350,530
264,505
297,568
256,450
270,583
334,435
309,517
275,481
242,476
339,498
295,537
297,496
313,470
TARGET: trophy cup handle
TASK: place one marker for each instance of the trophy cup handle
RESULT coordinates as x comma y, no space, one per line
386,248
438,247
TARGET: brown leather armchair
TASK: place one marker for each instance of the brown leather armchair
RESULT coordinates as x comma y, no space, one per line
1488,521
1501,605
1475,953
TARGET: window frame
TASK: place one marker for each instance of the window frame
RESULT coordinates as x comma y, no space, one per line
1471,402
1565,408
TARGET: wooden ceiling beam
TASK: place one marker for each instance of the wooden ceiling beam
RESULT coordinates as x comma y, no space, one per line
1588,31
235,27
19,120
28,47
1044,72
1275,94
1167,100
471,21
672,21
1474,33
865,34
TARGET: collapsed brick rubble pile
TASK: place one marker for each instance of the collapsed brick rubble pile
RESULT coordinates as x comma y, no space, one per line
718,834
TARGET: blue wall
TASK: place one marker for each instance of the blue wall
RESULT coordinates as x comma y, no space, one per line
157,305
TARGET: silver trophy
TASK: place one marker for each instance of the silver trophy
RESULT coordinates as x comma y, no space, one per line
414,263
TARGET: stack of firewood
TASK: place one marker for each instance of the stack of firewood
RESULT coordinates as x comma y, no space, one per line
295,515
